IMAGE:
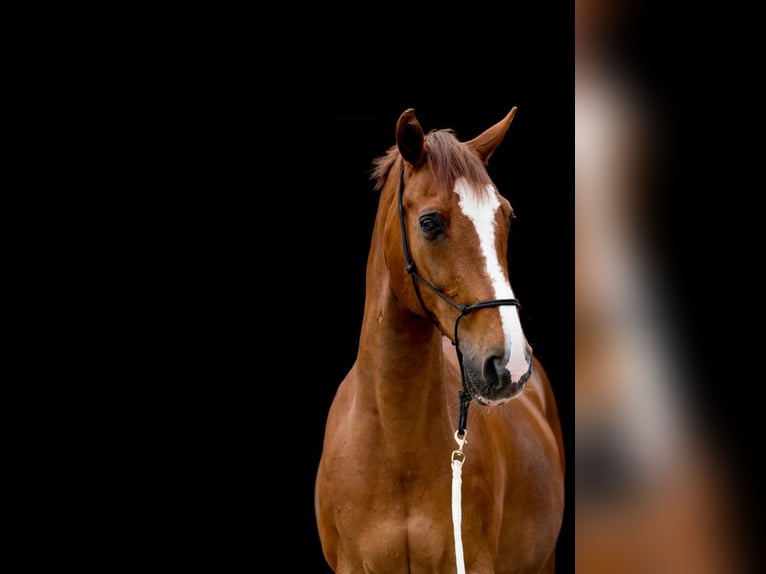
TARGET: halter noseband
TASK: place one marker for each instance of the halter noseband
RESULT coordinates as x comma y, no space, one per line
464,394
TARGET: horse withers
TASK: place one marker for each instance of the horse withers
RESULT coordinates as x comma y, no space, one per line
441,330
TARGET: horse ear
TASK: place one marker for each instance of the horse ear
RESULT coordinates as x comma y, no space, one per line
409,137
486,143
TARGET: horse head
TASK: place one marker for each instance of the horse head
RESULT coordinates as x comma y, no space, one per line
450,235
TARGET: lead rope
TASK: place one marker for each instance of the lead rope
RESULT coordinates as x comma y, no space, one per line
458,456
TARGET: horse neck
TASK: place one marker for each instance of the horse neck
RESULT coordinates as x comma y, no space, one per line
400,364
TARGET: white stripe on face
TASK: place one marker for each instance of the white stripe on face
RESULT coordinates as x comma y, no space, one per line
481,209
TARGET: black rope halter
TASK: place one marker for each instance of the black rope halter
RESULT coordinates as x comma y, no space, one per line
464,394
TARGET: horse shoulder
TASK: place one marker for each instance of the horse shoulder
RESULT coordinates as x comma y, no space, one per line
330,478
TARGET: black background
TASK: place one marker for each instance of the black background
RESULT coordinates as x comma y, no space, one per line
249,173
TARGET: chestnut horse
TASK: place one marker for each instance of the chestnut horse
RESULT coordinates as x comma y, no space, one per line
441,330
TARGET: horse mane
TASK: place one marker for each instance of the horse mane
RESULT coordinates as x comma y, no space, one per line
449,159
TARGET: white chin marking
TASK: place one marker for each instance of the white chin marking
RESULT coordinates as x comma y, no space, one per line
481,209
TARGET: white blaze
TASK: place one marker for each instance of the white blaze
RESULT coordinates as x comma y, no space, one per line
481,209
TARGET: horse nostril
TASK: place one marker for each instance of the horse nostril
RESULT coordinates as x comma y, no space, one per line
495,373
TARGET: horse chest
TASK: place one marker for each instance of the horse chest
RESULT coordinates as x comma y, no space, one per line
397,492
390,518
391,541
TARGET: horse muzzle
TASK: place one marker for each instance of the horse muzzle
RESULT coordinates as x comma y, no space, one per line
491,383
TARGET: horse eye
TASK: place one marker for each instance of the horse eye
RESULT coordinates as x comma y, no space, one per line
431,225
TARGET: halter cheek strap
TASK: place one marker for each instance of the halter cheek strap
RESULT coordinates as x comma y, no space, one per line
417,280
